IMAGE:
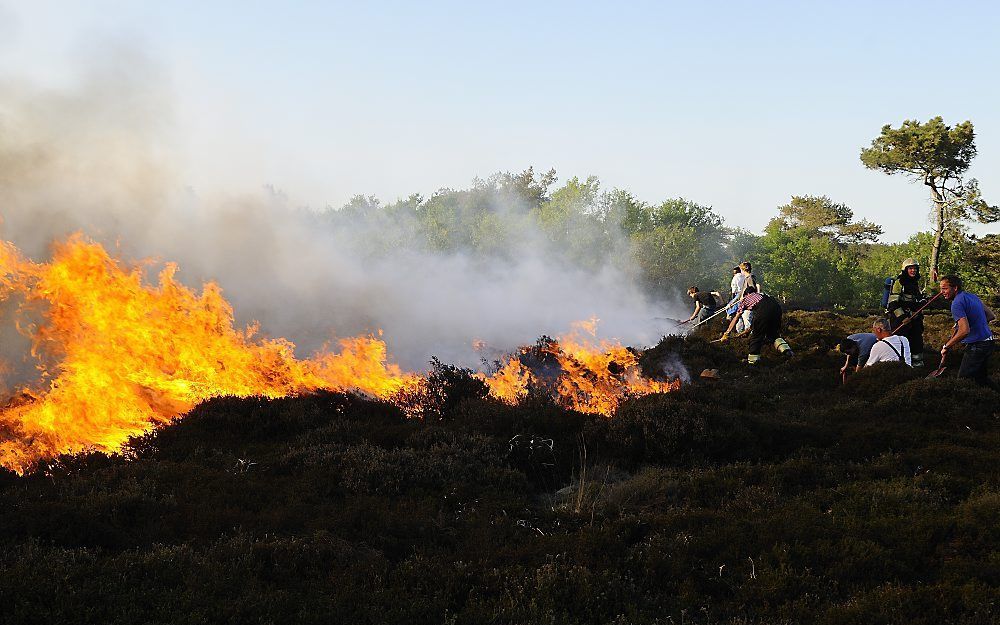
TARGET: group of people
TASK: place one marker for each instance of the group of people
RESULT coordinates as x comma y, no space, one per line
749,311
897,337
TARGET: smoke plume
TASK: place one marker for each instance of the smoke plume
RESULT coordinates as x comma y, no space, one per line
98,158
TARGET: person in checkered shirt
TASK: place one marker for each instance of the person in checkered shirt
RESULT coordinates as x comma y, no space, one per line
765,325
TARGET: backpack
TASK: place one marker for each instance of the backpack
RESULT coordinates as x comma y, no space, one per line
887,291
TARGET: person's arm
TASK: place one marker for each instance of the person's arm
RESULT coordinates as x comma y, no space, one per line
697,307
847,363
961,332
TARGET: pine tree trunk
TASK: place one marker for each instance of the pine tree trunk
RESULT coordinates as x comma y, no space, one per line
939,204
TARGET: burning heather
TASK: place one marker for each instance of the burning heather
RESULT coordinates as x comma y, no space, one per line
118,356
585,373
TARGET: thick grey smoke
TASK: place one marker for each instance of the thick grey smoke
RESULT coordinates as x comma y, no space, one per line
97,158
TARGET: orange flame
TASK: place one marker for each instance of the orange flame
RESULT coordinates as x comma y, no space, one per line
596,375
131,355
122,356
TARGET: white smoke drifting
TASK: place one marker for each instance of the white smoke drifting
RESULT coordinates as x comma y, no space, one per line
97,159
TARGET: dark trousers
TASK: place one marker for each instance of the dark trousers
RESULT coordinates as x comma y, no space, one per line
913,331
974,362
766,324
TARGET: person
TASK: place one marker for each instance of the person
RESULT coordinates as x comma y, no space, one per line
889,347
904,300
765,325
749,279
857,347
972,319
736,294
705,305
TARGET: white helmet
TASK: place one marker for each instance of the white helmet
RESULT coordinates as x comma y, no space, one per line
909,262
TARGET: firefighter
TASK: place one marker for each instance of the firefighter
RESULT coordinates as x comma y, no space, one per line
904,299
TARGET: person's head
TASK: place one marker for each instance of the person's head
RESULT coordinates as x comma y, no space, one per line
950,286
849,347
693,291
880,328
745,267
736,270
750,289
910,267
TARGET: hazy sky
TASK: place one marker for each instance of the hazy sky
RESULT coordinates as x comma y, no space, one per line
737,105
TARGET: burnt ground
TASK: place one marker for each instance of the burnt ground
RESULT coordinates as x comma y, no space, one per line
772,495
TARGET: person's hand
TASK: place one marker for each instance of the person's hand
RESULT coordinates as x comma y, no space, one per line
944,349
725,336
843,370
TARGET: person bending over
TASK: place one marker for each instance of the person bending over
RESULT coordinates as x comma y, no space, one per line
704,305
765,324
857,347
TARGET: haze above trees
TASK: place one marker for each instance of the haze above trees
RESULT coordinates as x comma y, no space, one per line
812,253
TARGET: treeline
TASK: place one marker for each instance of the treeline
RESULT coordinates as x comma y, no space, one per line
812,253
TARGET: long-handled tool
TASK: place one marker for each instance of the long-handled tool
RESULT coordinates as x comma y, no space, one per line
709,318
937,372
915,313
721,310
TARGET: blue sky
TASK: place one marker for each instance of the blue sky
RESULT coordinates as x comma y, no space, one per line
737,105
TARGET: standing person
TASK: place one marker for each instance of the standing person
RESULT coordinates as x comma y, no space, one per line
765,325
749,280
971,318
889,347
736,294
704,304
904,300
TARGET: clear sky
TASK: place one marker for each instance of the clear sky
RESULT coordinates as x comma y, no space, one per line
737,105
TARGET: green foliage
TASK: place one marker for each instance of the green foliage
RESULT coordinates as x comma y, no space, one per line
938,156
922,149
808,269
820,216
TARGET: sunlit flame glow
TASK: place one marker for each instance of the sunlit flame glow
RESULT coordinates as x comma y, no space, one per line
130,355
117,356
595,374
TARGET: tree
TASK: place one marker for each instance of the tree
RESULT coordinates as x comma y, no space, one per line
820,215
938,156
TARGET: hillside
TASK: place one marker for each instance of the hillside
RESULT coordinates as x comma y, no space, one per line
772,495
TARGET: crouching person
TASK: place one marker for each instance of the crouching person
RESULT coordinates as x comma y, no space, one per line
765,325
889,347
857,348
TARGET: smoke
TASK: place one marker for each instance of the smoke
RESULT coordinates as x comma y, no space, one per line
99,158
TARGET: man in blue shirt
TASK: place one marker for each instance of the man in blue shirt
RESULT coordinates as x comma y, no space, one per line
857,347
971,319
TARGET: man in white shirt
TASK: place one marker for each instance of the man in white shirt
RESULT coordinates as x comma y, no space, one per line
888,347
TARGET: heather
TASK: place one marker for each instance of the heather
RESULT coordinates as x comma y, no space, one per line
770,495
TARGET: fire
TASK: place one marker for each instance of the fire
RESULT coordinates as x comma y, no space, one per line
595,375
129,355
118,356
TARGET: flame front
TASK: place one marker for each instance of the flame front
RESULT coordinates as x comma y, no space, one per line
595,375
131,355
121,356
